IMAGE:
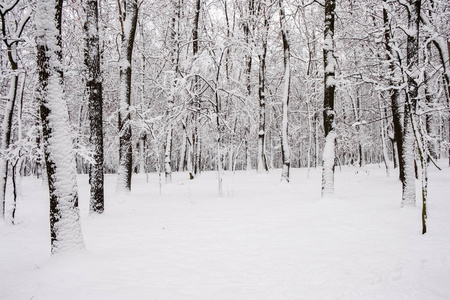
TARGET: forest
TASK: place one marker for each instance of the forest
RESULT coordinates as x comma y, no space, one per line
104,100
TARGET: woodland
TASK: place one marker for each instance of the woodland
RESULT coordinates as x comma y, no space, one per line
145,86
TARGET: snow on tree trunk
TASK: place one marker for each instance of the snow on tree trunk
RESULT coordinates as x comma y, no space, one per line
262,163
328,99
65,225
142,153
443,48
172,81
168,156
6,137
396,106
11,39
431,117
128,21
285,149
195,146
412,61
95,104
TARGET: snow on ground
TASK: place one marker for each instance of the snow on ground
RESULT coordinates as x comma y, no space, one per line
263,240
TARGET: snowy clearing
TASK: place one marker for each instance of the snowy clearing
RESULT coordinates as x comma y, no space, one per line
263,240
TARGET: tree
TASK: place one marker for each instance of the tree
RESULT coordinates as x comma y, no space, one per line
174,57
329,64
412,92
65,225
396,106
95,94
195,146
285,150
128,13
262,161
11,37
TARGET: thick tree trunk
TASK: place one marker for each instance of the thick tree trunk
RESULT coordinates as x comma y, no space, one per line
412,61
328,100
285,149
58,150
128,20
95,95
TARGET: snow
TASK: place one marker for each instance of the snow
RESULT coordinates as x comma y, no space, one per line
58,146
262,240
328,163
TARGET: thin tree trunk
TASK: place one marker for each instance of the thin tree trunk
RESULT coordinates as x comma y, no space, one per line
171,100
11,39
431,120
285,149
168,156
262,163
397,110
329,90
128,12
197,106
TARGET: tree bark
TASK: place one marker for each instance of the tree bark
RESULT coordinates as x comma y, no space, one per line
95,105
412,74
285,149
58,149
328,100
397,110
262,163
195,147
11,39
128,12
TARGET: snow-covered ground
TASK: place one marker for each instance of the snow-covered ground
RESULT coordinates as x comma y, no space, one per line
262,240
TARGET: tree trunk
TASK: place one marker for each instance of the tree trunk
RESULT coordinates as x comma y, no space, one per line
285,149
95,105
11,39
397,110
128,21
328,100
412,61
171,99
262,163
65,225
195,159
168,156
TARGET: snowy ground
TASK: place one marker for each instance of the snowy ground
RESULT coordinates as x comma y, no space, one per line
262,240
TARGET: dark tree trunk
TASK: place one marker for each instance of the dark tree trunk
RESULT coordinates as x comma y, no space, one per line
397,110
328,100
95,105
128,10
285,149
262,162
195,147
6,127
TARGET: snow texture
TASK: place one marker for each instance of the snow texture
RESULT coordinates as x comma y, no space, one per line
262,240
59,148
409,184
328,164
